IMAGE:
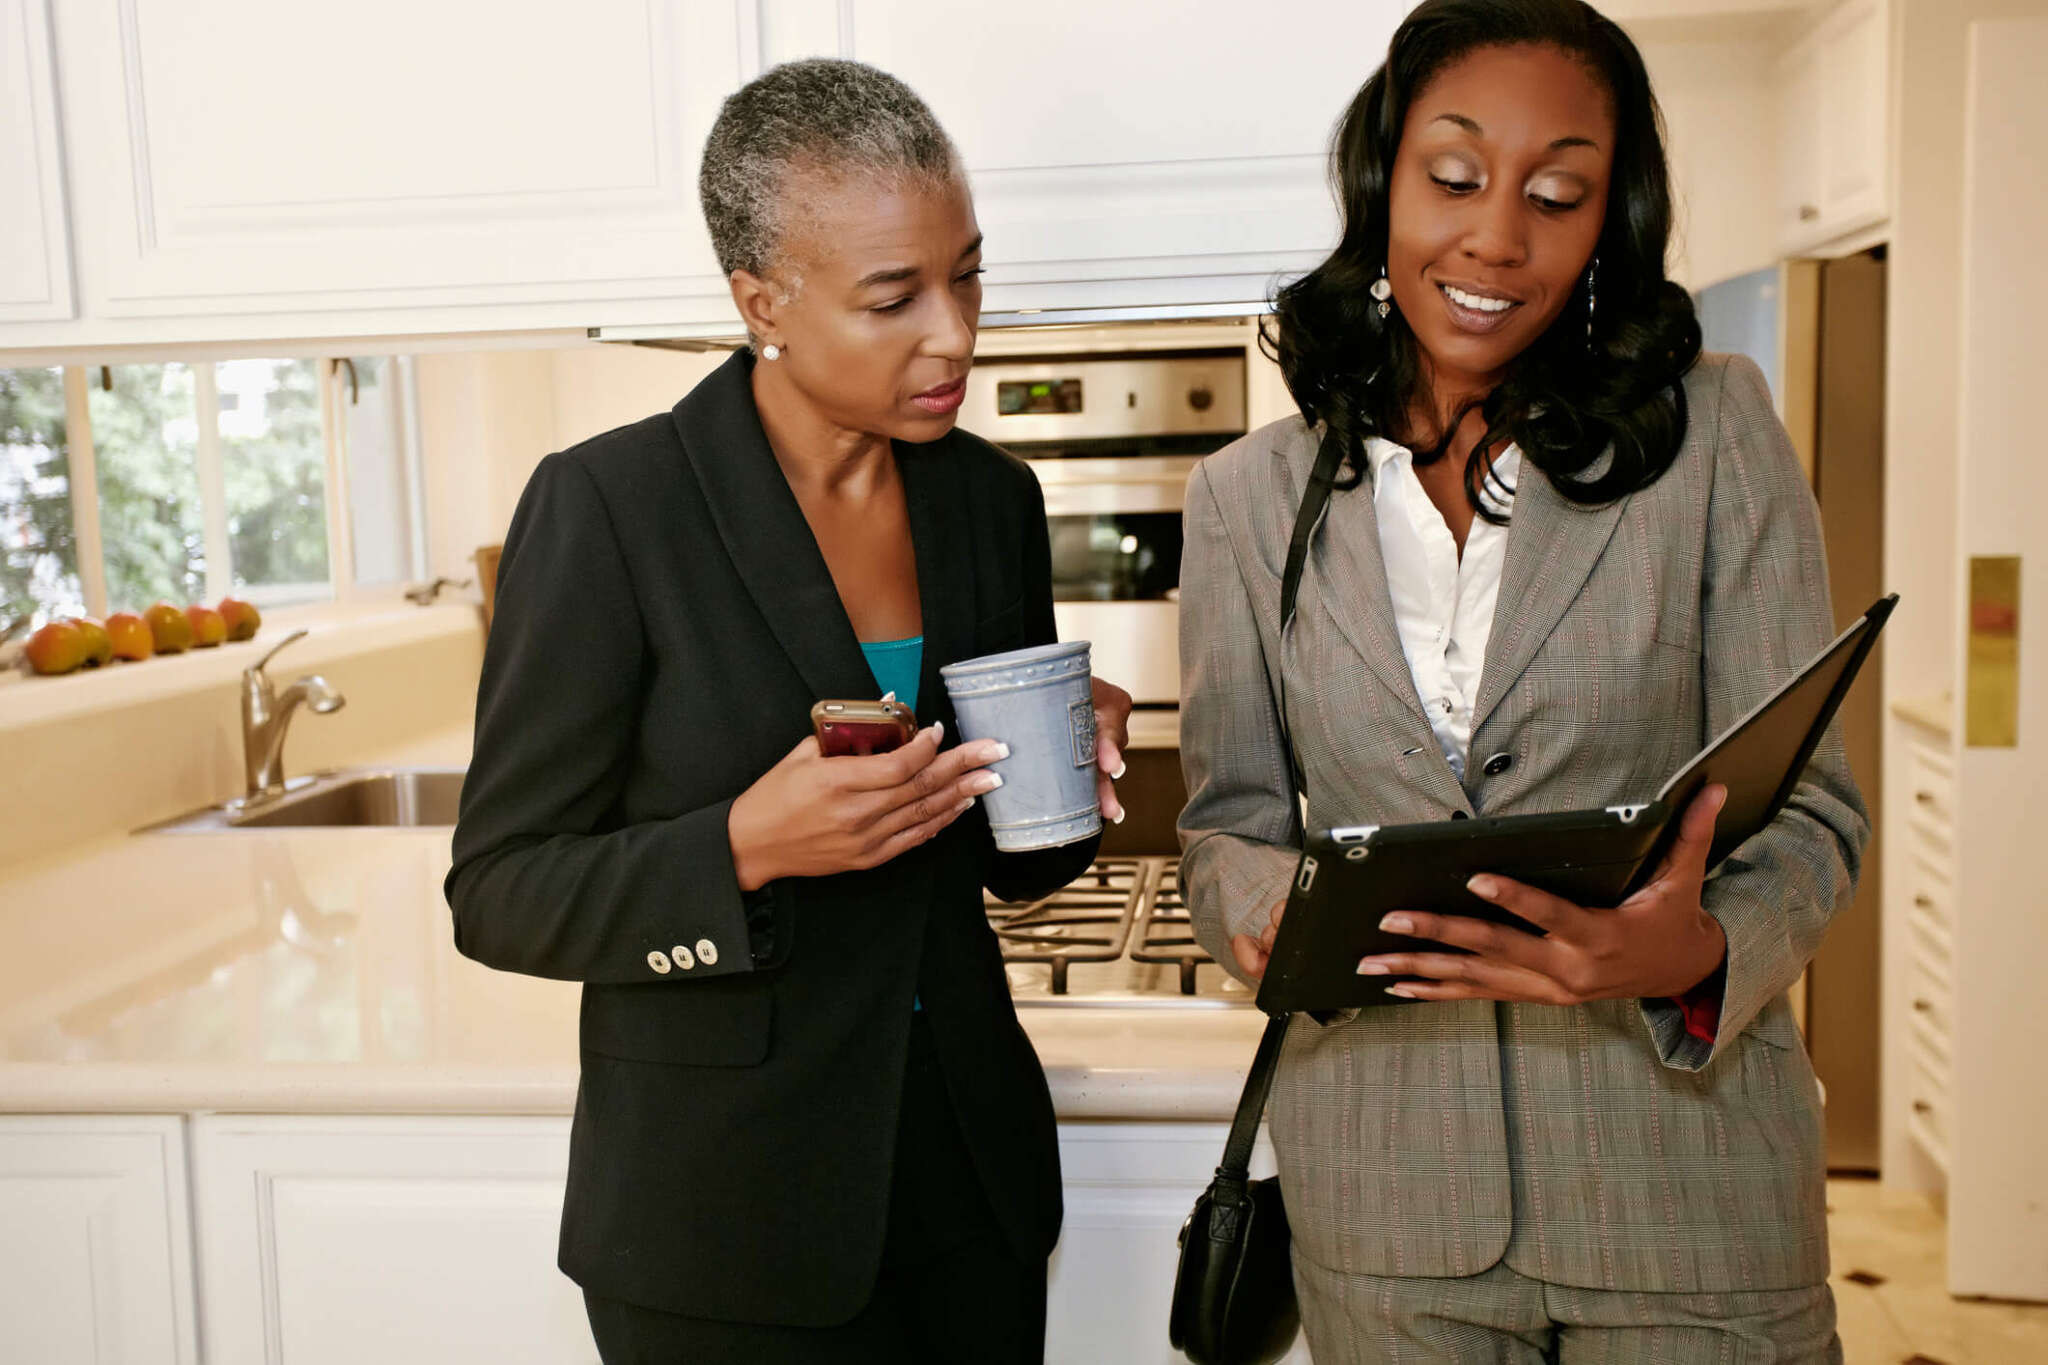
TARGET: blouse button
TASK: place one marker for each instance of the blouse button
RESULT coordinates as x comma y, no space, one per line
1499,764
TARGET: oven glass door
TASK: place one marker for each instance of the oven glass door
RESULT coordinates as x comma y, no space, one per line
1115,556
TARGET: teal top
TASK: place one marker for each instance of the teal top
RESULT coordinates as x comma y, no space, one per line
897,664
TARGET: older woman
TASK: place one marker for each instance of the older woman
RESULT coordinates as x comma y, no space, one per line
809,1126
1564,550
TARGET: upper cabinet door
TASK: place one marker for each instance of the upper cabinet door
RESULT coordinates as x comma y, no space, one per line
249,157
1183,145
35,260
1834,114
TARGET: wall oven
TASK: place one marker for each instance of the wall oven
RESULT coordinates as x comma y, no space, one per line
1113,439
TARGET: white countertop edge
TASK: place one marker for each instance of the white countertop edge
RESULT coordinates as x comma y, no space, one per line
1184,1094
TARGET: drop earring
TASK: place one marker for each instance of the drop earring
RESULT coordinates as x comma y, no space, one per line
1592,278
771,352
1383,290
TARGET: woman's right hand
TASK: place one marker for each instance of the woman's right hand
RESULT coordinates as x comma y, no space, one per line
810,816
1252,953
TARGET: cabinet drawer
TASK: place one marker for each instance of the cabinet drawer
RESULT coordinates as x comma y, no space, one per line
1931,784
1928,1118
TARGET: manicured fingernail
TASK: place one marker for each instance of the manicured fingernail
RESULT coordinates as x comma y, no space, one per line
988,782
1118,818
1121,769
1398,924
1371,968
963,805
939,728
1002,751
1483,887
1404,992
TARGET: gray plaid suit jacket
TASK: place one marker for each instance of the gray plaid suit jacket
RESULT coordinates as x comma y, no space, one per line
1599,1146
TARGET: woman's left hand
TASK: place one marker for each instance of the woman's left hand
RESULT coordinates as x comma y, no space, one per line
1657,944
1112,733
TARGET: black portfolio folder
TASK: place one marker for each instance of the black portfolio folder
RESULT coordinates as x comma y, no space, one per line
1349,878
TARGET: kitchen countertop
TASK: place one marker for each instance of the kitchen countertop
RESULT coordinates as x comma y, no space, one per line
313,971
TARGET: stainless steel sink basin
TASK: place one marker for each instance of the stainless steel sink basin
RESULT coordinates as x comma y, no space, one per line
386,798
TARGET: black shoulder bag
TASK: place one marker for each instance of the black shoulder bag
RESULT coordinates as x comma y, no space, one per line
1233,1295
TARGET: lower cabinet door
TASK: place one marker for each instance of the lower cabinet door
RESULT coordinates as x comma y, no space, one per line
338,1241
1128,1187
95,1260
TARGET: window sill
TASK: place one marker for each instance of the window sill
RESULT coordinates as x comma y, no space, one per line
333,631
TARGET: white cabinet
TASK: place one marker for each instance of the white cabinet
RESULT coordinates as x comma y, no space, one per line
398,1240
1128,1189
35,261
426,1240
1834,117
95,1262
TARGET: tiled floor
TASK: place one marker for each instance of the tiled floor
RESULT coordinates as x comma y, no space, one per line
1899,1240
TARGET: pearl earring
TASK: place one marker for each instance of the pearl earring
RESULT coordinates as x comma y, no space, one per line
1383,290
771,352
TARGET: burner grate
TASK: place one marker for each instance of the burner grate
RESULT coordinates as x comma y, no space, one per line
1087,920
1164,931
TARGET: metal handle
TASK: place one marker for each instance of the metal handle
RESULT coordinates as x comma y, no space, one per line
1924,901
1924,798
1922,1107
1921,1006
259,665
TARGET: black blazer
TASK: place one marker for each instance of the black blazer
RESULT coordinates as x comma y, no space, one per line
664,623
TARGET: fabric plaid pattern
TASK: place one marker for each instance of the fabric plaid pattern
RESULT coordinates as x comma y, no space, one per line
1601,1146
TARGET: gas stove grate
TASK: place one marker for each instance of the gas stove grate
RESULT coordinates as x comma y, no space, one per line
1087,920
1164,931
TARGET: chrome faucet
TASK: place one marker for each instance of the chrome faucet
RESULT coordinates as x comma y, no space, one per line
267,713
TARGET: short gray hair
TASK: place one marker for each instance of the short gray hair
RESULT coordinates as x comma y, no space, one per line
822,114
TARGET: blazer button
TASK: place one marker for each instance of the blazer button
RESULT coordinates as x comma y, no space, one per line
682,957
1499,764
707,952
659,961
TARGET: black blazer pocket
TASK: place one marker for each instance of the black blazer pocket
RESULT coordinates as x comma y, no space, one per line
726,1021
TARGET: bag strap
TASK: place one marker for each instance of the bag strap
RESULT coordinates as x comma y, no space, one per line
1258,1083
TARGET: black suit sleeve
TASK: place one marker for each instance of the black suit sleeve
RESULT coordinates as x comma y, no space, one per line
541,882
1028,876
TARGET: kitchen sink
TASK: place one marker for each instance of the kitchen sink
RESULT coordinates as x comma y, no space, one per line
386,798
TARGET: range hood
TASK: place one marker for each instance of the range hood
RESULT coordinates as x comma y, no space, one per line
728,335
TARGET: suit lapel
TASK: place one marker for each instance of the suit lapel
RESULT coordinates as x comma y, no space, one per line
1355,589
765,534
1553,545
945,586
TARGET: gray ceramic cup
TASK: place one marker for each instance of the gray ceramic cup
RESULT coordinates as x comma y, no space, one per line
1039,702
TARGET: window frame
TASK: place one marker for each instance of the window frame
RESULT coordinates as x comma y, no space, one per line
335,402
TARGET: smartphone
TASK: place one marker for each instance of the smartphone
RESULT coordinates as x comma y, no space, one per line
862,727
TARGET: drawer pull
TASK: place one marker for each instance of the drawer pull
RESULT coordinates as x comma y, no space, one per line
1924,798
1922,1006
1923,901
1922,1108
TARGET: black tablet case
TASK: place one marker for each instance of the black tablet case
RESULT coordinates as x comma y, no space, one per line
1349,878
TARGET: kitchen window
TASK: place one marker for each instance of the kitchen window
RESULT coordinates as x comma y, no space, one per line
276,480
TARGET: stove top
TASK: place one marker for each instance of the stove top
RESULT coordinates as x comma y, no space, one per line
1118,934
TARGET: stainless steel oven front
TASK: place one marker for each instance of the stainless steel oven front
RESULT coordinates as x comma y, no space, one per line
1113,439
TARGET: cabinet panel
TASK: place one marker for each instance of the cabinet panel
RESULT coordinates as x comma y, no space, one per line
1128,1188
1145,164
95,1266
231,162
1856,79
35,263
331,1242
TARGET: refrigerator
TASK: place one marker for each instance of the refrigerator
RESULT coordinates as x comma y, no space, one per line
1817,330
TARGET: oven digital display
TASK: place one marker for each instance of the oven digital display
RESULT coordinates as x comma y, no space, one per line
1017,397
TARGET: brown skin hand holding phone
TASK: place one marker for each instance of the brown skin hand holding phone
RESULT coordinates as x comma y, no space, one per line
812,815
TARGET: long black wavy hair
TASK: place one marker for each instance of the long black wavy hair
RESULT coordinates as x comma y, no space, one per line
1571,396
